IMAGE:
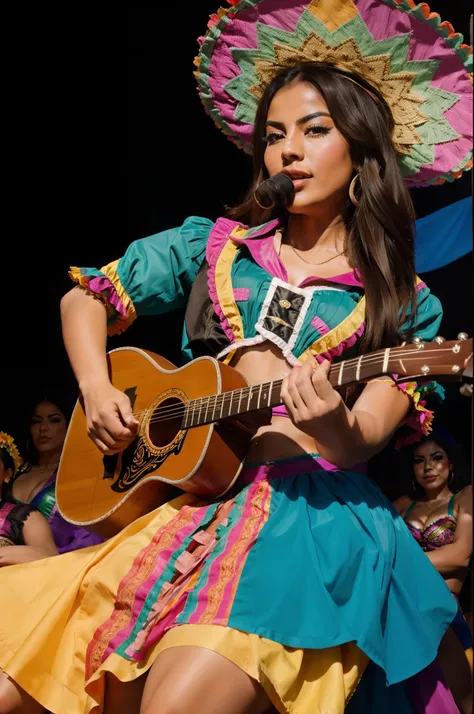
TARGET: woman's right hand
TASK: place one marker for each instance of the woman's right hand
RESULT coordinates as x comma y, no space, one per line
110,421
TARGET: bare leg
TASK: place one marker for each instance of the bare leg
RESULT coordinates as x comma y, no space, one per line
123,696
456,670
14,700
194,680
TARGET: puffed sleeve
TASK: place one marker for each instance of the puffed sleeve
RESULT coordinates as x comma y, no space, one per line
419,420
153,277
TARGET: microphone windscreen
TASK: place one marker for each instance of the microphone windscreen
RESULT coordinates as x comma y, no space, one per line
277,190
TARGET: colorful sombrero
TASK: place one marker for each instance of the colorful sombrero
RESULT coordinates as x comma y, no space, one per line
418,63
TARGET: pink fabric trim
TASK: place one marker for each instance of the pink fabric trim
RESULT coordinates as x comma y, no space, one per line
320,325
420,286
262,250
144,588
268,470
99,285
241,294
342,346
280,411
4,511
429,693
217,239
222,614
415,421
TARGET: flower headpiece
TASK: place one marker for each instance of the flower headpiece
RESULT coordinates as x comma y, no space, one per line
7,443
417,63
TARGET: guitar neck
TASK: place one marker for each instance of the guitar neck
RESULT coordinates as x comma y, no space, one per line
206,410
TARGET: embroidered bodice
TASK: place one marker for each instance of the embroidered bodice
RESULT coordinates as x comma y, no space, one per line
235,289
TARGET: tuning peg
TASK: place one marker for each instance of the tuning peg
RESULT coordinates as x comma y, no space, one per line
418,342
439,340
463,336
466,390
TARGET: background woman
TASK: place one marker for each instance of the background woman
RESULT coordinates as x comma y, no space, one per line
24,533
439,516
35,483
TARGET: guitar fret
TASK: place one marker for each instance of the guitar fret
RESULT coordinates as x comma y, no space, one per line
341,369
214,408
249,399
259,396
240,399
359,362
200,407
385,360
222,405
230,405
207,407
270,390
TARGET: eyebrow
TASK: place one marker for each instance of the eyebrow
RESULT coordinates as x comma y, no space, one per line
37,416
303,120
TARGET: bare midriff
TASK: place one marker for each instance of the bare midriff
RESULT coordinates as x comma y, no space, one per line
281,439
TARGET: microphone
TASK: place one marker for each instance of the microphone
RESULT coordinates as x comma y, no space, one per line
275,191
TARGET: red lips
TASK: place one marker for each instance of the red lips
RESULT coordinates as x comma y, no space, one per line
294,174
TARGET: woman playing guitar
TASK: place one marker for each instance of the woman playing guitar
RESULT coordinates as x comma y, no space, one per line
298,588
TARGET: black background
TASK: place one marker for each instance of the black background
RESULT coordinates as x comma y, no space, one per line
105,141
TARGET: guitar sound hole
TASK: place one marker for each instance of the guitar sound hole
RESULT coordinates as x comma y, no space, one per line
166,422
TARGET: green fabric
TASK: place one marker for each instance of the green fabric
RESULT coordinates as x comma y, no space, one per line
157,272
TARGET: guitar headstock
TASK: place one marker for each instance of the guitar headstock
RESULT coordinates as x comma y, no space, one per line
451,360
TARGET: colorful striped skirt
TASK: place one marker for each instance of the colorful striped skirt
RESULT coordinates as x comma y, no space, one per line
300,577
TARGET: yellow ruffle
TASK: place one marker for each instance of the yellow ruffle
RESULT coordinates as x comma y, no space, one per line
411,388
296,681
120,323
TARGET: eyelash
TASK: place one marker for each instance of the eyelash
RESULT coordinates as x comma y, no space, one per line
319,130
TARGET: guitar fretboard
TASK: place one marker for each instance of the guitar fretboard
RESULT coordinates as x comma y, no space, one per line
206,410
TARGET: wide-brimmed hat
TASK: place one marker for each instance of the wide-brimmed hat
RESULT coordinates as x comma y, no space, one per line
416,62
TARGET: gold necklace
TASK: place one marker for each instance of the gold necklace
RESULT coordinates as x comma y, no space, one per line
323,262
309,262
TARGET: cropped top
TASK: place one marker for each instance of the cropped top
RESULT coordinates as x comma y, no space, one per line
436,534
236,292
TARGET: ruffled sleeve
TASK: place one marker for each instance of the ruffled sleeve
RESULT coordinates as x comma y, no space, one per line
153,277
422,392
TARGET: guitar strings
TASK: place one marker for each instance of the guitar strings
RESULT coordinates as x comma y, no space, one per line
177,409
174,411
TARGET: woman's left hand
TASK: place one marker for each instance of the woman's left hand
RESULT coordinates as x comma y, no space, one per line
309,397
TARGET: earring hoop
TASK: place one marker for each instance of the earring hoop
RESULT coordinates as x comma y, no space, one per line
264,208
352,195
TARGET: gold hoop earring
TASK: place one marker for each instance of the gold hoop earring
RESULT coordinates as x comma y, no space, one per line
352,195
264,208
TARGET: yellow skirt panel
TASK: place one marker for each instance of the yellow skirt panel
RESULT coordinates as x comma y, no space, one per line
51,608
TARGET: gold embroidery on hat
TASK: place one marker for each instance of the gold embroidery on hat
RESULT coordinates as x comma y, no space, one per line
395,88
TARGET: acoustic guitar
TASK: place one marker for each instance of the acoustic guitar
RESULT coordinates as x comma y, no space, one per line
188,438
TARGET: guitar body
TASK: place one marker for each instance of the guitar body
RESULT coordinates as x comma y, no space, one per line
188,438
106,493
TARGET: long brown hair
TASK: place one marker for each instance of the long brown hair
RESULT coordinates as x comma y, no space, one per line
380,241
